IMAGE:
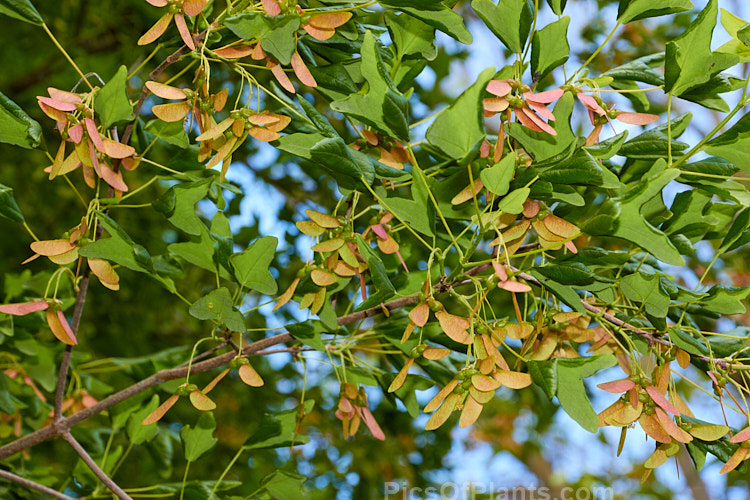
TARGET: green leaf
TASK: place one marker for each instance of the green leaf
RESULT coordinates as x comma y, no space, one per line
8,206
120,413
338,158
22,10
118,248
111,103
542,145
330,152
549,48
734,144
564,378
632,226
284,485
383,285
744,35
689,61
412,37
446,20
418,211
178,204
513,202
568,273
199,253
458,130
606,149
308,332
633,10
698,455
557,6
739,225
251,266
734,25
381,105
138,433
170,132
639,70
16,127
707,94
6,402
572,396
221,232
320,121
509,20
563,292
279,430
275,33
497,178
416,4
580,169
726,300
199,439
654,143
544,374
646,289
218,306
692,218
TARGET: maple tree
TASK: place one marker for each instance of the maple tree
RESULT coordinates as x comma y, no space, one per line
502,245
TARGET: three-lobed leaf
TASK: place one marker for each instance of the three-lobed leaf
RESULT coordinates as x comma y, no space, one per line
199,439
251,266
111,104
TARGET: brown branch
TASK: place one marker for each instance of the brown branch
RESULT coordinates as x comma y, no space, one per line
62,377
57,428
290,350
63,425
204,354
103,477
33,485
649,336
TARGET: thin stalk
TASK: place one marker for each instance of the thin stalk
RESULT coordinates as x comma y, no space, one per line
66,55
596,53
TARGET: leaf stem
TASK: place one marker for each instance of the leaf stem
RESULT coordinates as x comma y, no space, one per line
741,104
184,479
226,471
67,56
596,53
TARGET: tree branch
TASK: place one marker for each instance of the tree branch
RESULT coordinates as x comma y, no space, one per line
256,348
33,485
64,424
649,336
62,377
204,354
103,477
290,350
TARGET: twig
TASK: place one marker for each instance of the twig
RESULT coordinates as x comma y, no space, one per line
65,364
173,58
291,350
649,336
204,354
103,477
33,485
